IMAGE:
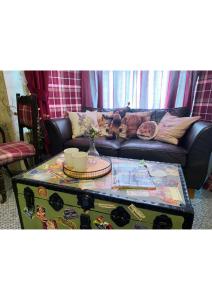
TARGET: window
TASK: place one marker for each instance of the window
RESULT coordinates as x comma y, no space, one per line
143,89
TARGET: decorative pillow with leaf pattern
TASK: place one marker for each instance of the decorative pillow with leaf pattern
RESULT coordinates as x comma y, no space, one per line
81,121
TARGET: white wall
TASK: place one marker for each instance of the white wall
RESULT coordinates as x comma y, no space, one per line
15,83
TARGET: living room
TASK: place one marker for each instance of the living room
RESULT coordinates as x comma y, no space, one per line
145,116
108,109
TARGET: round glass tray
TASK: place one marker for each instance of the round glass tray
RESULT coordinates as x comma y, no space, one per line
97,167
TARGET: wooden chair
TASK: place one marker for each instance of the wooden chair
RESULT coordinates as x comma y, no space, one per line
27,112
28,117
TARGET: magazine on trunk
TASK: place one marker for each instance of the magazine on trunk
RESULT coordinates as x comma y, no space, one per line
131,176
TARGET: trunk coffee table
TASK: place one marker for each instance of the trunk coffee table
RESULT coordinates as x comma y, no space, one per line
48,199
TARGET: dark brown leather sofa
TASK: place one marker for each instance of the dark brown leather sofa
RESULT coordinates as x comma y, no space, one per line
193,151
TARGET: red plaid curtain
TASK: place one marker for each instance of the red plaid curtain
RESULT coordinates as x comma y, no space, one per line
203,106
64,92
37,82
203,96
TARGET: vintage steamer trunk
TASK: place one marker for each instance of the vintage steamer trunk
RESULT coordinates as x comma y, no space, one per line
48,199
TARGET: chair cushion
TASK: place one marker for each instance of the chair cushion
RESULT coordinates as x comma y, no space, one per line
13,151
153,150
103,145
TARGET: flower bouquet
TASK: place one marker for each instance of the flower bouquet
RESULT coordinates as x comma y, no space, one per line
92,132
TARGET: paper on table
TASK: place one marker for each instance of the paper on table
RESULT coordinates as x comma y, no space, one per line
131,177
168,195
161,170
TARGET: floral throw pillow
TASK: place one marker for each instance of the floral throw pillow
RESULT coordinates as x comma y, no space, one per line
147,130
81,122
94,116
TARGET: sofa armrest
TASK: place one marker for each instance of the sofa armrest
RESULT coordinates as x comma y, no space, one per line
59,131
198,143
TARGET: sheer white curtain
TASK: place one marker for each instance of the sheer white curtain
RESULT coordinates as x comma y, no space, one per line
121,87
143,89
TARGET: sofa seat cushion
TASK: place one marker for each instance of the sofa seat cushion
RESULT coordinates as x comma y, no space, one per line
153,150
103,145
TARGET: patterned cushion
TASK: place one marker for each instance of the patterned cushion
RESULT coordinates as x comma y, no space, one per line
93,115
147,130
133,121
111,126
104,120
25,115
81,121
13,151
116,128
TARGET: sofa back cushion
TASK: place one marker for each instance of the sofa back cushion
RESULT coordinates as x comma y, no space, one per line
157,114
121,111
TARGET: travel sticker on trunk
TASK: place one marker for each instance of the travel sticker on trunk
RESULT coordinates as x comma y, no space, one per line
70,213
101,224
46,223
41,213
42,192
136,212
106,205
69,223
29,212
50,224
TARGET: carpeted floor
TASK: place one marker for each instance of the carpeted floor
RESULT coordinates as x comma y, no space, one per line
8,213
202,204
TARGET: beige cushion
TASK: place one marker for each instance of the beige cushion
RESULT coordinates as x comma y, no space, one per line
81,122
172,128
94,116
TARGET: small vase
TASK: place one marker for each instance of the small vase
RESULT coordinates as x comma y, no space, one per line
92,149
